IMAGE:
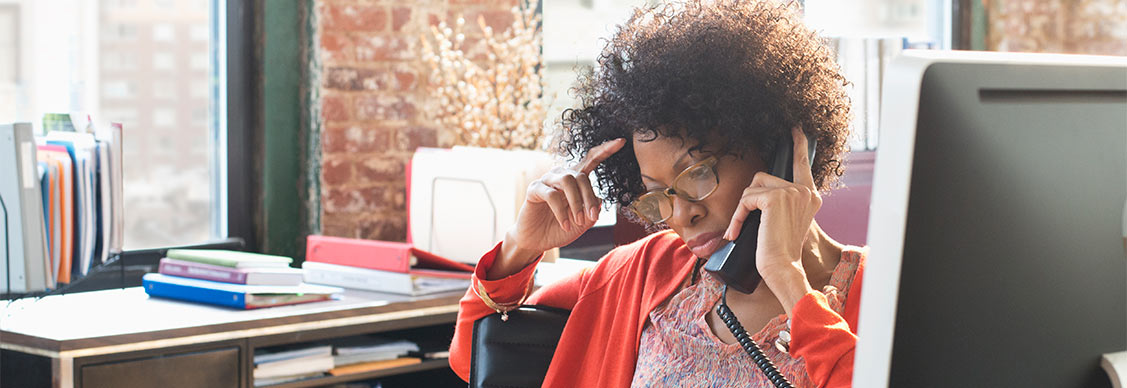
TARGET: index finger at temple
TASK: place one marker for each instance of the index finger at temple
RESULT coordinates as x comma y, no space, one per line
802,174
598,154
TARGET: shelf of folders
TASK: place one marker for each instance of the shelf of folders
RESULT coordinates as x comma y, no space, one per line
61,199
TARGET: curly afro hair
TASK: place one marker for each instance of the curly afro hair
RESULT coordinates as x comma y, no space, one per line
730,76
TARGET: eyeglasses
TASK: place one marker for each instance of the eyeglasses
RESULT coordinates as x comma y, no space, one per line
696,183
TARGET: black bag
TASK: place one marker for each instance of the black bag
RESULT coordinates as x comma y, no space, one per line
516,352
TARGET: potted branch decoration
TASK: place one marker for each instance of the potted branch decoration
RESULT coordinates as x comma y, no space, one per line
488,95
498,105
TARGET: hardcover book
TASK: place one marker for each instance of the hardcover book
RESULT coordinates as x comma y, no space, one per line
271,276
233,259
233,295
378,255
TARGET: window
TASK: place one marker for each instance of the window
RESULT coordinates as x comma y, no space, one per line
200,61
164,117
164,32
125,4
121,60
117,89
175,194
120,115
9,43
199,89
198,33
163,61
199,116
120,31
164,89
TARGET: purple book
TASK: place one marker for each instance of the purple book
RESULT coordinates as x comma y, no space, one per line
252,276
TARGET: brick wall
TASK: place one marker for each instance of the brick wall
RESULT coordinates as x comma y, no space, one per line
370,98
1057,26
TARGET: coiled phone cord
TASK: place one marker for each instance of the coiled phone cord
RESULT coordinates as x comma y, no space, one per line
749,346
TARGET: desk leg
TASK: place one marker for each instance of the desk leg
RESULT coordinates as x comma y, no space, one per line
62,372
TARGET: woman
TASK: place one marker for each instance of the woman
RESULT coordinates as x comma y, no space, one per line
686,107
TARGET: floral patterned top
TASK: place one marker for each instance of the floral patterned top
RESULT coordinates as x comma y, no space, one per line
678,349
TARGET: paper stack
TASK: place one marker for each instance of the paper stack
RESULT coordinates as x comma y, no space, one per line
372,353
291,363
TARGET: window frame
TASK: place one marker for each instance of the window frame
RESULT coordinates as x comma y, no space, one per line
233,153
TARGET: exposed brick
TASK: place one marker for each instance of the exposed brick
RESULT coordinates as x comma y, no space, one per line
1057,26
408,139
343,200
344,78
355,17
335,108
383,198
404,79
498,20
369,104
399,17
384,228
354,138
399,199
336,172
383,48
475,49
434,19
384,108
366,200
384,168
336,47
338,226
352,79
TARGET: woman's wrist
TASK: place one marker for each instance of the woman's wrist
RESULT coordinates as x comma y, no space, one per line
511,258
789,284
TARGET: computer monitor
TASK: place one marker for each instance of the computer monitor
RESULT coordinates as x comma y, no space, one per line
997,223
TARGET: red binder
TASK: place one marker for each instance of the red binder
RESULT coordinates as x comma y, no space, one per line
379,255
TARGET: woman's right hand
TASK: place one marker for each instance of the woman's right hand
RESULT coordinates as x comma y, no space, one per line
557,209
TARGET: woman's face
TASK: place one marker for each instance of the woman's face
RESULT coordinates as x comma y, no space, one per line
702,223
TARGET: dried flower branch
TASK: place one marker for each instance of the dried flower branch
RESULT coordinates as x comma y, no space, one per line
499,105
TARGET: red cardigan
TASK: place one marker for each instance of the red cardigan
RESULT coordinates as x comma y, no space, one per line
610,304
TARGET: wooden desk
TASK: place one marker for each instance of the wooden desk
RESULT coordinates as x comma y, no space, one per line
123,338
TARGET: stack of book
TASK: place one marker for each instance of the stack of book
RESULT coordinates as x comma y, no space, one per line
372,353
291,363
235,279
62,192
382,266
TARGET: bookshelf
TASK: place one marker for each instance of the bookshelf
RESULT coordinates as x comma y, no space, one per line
123,338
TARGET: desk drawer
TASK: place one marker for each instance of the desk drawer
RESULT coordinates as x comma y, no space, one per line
211,368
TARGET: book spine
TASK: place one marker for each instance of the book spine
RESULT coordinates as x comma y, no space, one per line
194,294
173,254
362,279
369,254
203,271
35,239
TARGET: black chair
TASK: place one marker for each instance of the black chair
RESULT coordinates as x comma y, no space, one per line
516,352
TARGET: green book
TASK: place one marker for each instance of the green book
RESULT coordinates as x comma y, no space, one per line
233,259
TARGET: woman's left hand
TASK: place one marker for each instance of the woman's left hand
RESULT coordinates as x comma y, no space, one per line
788,210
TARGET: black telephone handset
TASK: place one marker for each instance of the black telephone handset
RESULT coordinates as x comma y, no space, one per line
734,264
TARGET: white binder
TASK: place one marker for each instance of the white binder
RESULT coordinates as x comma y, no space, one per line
24,266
